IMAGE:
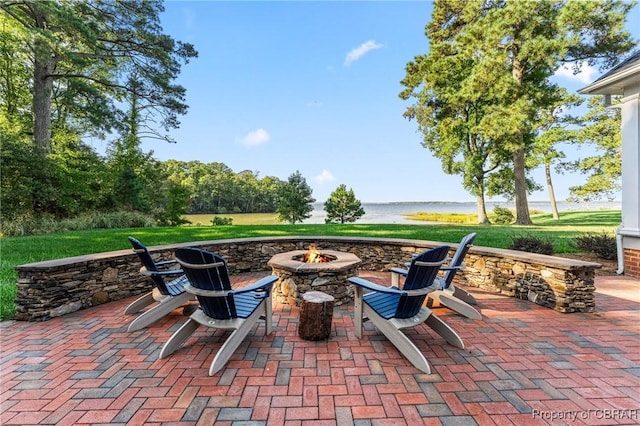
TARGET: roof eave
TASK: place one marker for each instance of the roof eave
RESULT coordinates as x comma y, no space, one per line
613,84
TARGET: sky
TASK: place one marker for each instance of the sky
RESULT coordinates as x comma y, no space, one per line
288,86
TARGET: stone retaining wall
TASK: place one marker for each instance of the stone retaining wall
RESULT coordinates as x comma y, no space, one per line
57,287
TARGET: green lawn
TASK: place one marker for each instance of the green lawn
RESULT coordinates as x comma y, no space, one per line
20,250
238,219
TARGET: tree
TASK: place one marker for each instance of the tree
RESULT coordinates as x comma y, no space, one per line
22,174
14,72
134,172
555,126
342,206
268,200
507,54
294,199
175,202
604,169
78,176
83,54
449,120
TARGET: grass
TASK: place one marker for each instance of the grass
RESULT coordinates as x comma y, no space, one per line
468,218
21,250
238,219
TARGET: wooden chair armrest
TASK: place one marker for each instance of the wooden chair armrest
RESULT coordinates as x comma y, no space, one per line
201,265
361,282
208,293
399,271
422,291
446,260
147,273
264,284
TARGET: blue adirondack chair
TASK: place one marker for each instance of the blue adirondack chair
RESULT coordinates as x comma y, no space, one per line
166,295
447,293
221,307
391,309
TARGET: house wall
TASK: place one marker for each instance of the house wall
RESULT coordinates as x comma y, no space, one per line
629,230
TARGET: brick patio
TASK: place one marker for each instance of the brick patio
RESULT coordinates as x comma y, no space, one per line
522,365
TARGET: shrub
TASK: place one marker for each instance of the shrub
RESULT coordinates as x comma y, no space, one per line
28,226
602,245
502,216
109,220
531,244
96,220
218,220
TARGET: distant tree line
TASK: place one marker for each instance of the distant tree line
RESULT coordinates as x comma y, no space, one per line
215,188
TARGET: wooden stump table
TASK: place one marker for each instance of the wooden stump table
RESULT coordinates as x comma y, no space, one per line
316,314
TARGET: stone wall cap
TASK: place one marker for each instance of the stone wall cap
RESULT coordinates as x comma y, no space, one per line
552,261
341,262
549,260
87,258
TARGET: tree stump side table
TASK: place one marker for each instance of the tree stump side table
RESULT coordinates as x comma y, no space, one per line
316,314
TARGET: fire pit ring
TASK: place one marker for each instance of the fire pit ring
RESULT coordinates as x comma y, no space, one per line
296,277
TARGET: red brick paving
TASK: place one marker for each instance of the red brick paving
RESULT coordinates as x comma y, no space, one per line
523,364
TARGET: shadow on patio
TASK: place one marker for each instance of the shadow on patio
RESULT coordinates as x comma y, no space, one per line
523,364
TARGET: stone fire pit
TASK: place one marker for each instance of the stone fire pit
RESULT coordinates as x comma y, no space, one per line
296,277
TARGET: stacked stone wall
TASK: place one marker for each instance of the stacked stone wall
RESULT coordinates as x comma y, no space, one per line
57,287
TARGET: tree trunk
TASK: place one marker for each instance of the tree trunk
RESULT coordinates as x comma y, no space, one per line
316,314
483,218
519,166
552,195
43,66
520,185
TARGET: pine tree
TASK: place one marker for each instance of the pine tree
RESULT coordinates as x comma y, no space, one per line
342,206
604,169
82,54
294,199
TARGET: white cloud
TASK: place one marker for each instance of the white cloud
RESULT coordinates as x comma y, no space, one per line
324,177
255,138
189,18
360,51
586,75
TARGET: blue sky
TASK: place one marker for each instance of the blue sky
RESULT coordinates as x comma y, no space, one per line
313,86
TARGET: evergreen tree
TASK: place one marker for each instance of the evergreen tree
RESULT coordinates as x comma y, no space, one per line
554,127
82,53
342,206
604,169
174,204
294,199
506,54
133,172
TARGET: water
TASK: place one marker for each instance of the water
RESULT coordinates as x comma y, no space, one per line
394,212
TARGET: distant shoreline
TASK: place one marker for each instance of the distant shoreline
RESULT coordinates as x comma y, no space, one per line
396,211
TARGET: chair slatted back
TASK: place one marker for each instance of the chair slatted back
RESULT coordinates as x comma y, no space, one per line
422,273
458,258
149,264
208,271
